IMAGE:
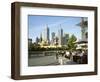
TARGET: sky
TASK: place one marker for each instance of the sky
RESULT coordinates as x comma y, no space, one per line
36,24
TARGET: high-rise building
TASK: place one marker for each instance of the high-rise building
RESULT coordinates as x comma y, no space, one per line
52,38
41,38
37,40
53,35
60,37
46,35
65,39
55,41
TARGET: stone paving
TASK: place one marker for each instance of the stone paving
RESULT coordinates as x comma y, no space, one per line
49,60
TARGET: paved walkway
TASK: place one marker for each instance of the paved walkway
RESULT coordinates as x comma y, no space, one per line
49,60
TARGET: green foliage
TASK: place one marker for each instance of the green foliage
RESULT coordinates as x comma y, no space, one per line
71,43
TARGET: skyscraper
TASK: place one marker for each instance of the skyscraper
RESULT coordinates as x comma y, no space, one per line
46,34
53,35
41,38
65,39
52,38
37,40
60,37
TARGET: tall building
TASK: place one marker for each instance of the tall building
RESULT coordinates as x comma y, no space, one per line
46,36
52,38
65,39
55,41
37,40
41,38
60,37
53,35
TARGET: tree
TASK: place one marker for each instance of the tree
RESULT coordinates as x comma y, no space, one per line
71,43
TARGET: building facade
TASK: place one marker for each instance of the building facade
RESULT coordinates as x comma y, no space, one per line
46,34
65,39
60,37
52,38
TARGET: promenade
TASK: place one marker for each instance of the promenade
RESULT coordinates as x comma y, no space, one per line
49,60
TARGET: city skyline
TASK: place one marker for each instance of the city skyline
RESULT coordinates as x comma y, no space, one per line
57,40
60,39
54,23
